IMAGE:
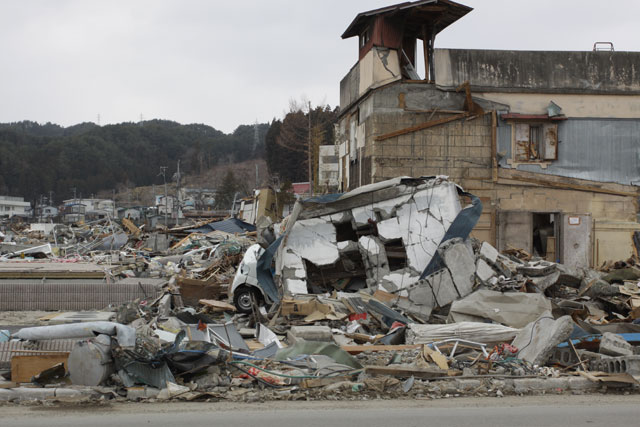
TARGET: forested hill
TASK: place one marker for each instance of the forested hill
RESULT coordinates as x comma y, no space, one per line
36,159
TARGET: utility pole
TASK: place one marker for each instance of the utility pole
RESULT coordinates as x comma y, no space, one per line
309,155
178,210
163,170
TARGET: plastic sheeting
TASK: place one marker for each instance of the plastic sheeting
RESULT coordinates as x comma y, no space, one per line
303,348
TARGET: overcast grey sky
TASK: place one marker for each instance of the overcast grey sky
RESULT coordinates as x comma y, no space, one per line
226,63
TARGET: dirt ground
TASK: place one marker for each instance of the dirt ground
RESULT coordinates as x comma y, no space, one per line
192,407
23,318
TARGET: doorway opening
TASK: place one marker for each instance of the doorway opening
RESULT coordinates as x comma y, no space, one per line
545,236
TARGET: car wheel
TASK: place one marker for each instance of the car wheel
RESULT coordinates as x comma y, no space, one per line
243,298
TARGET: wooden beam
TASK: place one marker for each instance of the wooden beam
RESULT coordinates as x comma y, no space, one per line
494,145
25,367
420,127
356,349
567,186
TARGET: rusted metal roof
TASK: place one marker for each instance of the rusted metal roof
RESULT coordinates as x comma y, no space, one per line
9,349
437,13
70,294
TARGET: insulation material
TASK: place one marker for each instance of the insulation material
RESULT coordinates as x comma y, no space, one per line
473,331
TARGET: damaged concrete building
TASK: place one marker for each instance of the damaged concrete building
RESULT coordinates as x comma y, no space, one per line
547,140
383,233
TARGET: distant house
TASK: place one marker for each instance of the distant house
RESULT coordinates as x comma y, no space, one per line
14,206
301,188
94,208
328,169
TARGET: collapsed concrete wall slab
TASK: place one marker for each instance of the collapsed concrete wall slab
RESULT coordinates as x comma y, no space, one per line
378,236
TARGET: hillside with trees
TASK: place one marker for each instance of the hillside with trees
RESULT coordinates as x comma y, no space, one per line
289,140
36,159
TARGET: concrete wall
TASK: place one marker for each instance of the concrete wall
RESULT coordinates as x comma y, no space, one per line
328,167
460,149
377,68
349,86
540,71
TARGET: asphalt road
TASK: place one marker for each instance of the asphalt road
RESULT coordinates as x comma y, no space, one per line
565,411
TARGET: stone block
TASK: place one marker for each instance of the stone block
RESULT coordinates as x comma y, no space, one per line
538,339
614,345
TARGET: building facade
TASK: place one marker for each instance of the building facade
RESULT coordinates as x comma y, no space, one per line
11,206
550,141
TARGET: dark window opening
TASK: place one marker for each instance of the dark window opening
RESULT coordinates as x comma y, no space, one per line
345,232
347,274
396,254
371,229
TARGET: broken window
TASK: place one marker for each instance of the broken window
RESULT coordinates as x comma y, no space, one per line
365,37
345,232
347,274
535,142
396,254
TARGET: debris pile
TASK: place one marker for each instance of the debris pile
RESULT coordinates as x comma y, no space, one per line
375,293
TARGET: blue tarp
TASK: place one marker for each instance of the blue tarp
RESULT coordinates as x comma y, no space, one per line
461,226
231,225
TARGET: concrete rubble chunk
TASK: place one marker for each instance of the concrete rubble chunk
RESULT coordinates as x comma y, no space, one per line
614,345
569,276
537,269
443,288
484,271
460,261
545,282
538,339
488,252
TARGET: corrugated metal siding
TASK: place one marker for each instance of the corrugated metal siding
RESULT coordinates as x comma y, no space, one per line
605,150
11,348
70,295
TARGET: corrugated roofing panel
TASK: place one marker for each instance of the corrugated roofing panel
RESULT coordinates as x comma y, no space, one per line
71,295
12,348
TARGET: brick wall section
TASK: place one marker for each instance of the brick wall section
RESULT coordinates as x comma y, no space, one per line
459,149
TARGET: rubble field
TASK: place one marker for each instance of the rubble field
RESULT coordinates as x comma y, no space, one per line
378,293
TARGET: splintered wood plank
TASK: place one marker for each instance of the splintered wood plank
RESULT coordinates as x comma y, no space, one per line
355,349
23,368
